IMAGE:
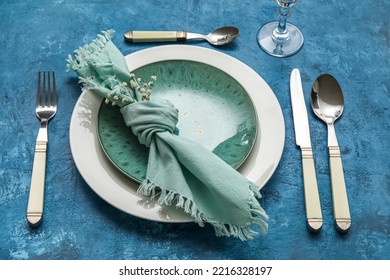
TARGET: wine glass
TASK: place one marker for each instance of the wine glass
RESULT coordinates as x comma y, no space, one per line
280,38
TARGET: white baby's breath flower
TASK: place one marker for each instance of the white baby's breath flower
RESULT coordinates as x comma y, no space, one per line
106,100
124,84
133,84
116,97
144,88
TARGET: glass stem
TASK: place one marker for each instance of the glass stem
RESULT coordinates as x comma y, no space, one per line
280,35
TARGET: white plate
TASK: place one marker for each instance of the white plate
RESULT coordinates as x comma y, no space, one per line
118,190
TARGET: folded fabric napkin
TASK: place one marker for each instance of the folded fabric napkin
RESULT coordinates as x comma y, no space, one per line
179,171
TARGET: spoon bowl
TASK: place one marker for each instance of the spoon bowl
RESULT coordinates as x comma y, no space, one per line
327,99
222,35
327,102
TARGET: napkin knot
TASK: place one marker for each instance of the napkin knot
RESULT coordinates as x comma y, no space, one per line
149,117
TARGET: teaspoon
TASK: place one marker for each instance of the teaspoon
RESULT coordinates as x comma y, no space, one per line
218,37
327,102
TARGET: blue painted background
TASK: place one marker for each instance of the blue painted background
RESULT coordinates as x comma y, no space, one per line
351,42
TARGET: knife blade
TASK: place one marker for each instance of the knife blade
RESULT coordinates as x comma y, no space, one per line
302,138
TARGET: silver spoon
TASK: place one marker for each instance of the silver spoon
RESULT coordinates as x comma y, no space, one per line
219,36
327,102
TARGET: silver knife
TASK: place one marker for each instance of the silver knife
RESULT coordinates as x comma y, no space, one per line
302,138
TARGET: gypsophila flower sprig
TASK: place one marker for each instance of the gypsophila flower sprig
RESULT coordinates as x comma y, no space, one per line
125,94
146,89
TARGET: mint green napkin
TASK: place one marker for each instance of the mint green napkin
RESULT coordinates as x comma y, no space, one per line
180,172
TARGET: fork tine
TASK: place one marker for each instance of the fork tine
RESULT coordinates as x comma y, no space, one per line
38,90
44,90
54,90
48,89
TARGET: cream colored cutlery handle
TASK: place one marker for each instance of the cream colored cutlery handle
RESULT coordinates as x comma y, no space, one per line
312,198
342,215
155,36
37,187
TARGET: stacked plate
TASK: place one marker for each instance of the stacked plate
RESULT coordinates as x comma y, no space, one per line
222,103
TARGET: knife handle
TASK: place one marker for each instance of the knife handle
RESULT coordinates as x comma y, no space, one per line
155,36
37,187
312,198
341,212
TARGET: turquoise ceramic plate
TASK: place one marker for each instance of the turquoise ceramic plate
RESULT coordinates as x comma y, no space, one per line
214,110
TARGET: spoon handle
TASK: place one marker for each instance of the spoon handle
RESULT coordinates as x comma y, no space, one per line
342,216
154,36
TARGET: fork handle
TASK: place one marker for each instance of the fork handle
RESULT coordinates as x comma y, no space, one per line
342,215
37,187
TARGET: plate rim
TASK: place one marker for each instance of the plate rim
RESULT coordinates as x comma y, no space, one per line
251,83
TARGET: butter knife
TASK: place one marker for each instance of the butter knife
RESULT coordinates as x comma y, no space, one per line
302,138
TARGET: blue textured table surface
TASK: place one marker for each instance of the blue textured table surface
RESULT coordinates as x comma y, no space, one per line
351,42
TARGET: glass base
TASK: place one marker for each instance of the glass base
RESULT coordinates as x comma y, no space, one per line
290,47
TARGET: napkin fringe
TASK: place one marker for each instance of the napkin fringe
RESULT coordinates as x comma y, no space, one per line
97,45
89,54
166,197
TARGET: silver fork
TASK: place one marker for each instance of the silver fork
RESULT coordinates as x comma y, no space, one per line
46,108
